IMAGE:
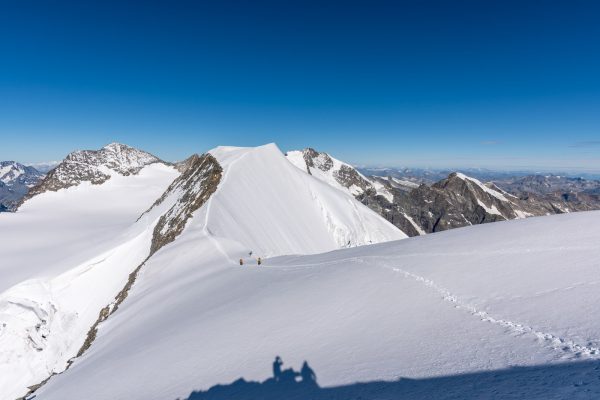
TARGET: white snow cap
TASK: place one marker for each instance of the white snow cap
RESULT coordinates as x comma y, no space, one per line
274,208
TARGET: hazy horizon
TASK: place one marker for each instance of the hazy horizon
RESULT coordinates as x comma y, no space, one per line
570,171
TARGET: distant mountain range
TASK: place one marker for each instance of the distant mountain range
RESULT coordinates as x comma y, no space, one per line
424,201
432,175
417,201
15,182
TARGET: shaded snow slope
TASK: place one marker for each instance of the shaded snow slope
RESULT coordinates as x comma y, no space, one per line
273,208
481,298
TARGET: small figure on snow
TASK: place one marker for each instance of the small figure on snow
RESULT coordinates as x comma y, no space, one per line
241,261
259,261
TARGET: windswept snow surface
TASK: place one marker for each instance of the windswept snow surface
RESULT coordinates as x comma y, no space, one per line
64,256
486,297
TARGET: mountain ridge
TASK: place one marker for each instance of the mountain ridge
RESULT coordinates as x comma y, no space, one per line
452,202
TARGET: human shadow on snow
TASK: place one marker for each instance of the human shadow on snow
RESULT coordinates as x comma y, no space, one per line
567,380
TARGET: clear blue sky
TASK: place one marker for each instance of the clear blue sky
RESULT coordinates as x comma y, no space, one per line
500,84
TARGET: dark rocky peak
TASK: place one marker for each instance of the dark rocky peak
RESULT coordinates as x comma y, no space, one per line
345,174
315,159
348,176
95,166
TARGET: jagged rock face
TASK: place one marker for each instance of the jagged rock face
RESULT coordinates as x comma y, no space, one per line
190,190
459,201
345,175
451,203
95,166
455,202
15,181
314,159
349,177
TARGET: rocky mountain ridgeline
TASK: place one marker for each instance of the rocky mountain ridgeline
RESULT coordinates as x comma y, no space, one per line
455,201
95,166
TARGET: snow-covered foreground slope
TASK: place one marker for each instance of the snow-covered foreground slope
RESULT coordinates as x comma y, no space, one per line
69,254
481,298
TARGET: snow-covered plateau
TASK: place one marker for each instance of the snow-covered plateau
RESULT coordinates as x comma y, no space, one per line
446,312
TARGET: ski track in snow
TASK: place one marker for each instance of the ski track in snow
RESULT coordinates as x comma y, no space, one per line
555,342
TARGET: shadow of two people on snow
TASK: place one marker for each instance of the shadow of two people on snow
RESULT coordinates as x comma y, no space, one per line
579,380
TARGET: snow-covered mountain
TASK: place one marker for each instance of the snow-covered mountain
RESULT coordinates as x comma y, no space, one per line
336,173
452,202
13,172
65,272
95,166
15,181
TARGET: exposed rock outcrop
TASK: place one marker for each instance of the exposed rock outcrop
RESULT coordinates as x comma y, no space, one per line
190,191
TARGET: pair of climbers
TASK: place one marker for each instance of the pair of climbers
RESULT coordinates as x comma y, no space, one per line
258,260
306,373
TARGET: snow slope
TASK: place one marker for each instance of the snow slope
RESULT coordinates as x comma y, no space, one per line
480,298
65,254
273,208
64,266
54,231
